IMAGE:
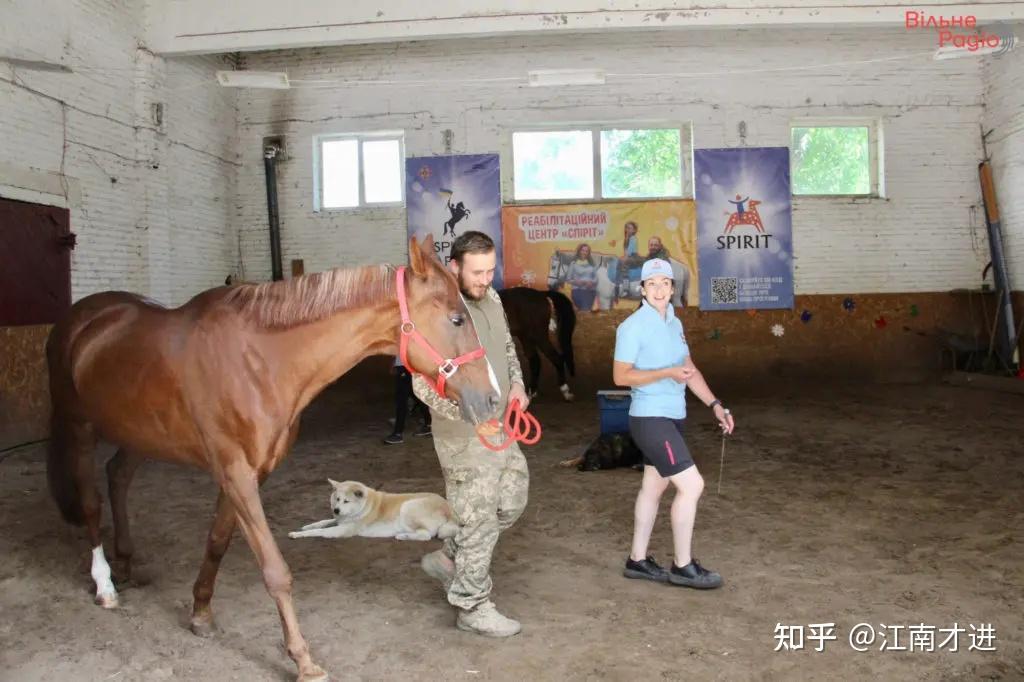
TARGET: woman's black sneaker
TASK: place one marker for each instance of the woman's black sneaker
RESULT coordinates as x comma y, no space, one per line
694,575
648,569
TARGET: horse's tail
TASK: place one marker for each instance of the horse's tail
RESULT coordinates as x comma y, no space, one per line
61,462
565,317
62,456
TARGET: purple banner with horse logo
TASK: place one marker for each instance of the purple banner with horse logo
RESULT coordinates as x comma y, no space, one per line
744,228
449,195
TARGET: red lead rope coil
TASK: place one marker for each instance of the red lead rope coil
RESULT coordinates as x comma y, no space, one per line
520,427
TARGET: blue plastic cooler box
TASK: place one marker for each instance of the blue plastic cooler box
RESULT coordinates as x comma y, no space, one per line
614,411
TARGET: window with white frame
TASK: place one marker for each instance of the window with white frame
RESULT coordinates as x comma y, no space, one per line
588,162
363,169
835,157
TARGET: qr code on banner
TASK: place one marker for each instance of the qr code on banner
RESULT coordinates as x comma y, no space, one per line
724,290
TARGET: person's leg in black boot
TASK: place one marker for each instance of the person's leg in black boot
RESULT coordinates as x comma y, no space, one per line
424,413
403,389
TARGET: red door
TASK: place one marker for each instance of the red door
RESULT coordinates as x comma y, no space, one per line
35,263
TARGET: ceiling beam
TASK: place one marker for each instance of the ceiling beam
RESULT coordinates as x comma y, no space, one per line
178,27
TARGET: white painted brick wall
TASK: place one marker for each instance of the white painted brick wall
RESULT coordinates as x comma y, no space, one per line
164,231
189,199
1004,115
922,237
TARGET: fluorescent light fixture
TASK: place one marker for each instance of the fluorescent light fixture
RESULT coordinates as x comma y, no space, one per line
954,52
277,80
548,77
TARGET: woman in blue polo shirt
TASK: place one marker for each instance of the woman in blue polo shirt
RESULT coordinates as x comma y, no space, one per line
653,359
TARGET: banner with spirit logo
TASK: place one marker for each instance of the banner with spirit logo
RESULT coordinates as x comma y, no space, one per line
744,228
448,195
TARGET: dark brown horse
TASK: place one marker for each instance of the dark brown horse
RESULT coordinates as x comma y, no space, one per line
220,383
530,315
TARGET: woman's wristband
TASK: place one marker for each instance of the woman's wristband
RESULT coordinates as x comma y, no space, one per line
715,402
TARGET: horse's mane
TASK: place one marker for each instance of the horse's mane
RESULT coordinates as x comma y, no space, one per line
312,297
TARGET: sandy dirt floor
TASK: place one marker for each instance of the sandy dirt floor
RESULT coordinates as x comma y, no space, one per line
891,505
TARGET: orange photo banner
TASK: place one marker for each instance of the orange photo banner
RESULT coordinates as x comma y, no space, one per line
593,253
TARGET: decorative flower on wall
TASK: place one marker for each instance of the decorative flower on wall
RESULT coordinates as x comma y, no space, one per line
778,329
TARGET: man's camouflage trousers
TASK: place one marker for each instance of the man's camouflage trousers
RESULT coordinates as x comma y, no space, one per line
487,492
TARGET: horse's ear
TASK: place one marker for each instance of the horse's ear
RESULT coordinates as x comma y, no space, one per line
334,484
427,246
418,257
421,253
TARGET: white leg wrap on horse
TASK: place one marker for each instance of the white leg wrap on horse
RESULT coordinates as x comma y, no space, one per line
106,595
566,392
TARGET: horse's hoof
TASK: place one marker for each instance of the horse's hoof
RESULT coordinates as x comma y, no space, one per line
314,674
201,628
107,601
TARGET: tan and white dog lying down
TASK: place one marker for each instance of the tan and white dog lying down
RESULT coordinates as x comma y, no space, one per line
363,511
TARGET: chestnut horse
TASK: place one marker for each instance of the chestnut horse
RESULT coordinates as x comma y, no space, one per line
220,383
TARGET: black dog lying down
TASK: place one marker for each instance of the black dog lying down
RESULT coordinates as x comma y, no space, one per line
609,451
